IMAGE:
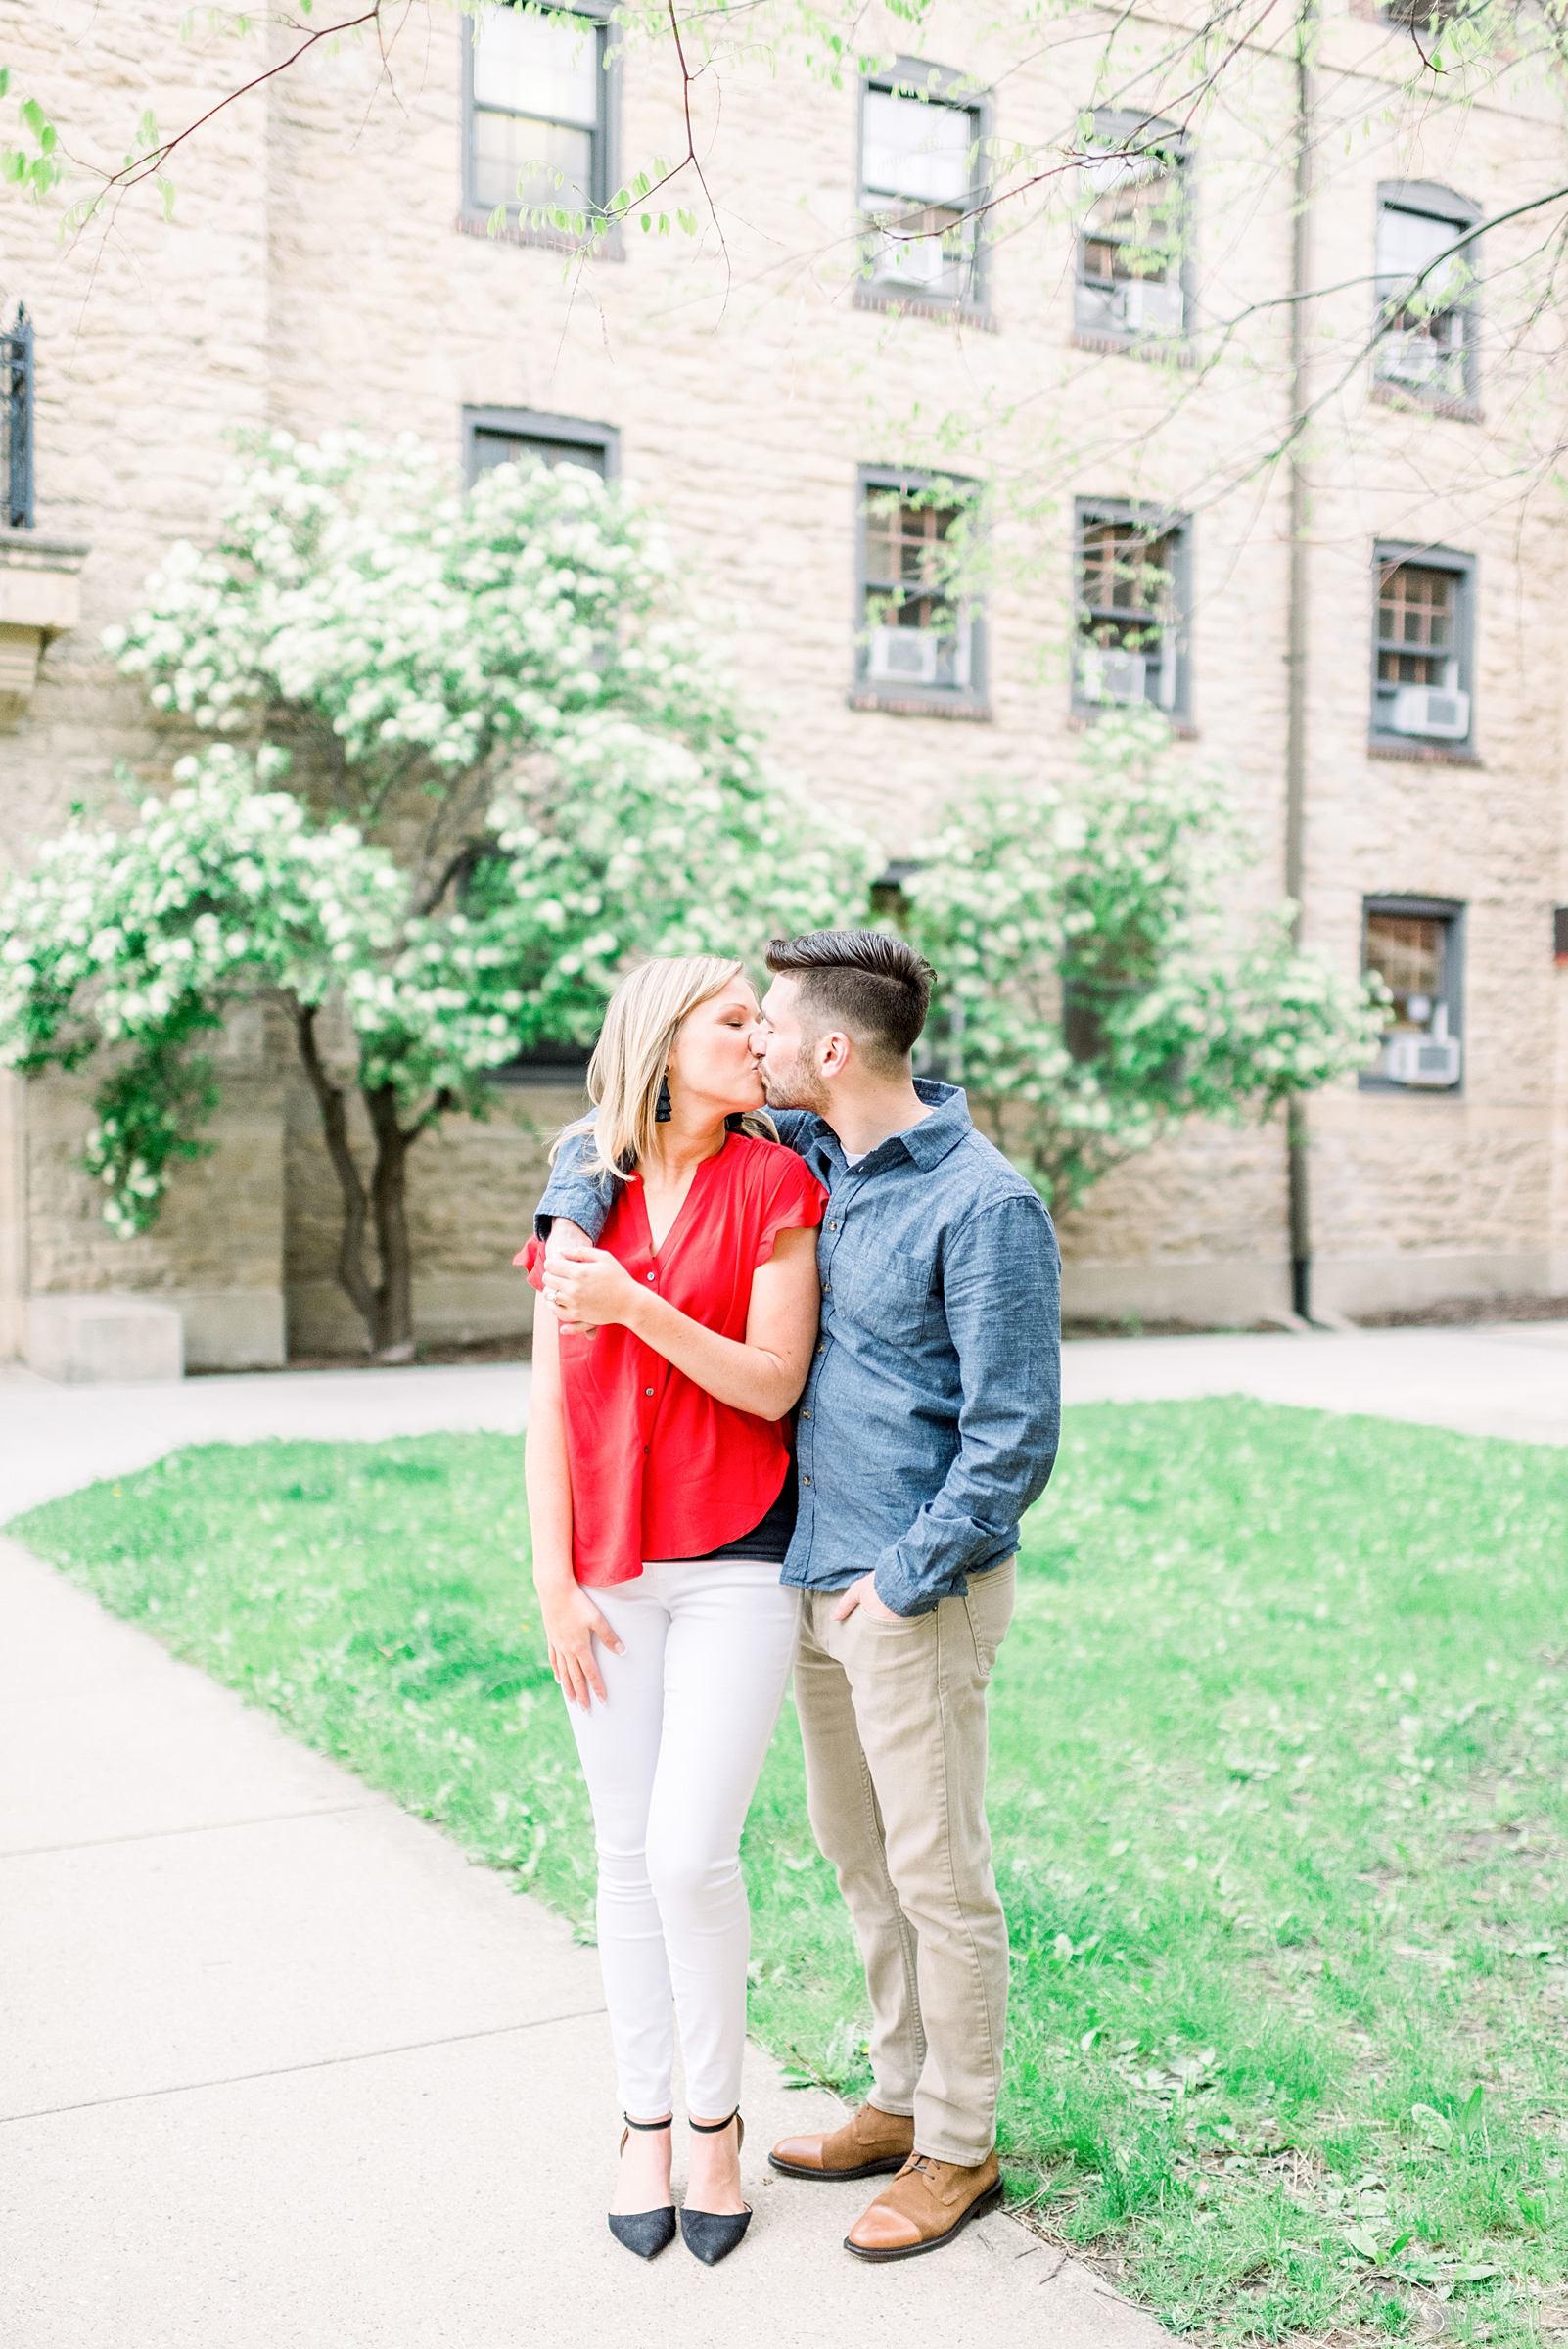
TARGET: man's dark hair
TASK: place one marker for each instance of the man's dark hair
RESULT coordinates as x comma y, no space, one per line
874,987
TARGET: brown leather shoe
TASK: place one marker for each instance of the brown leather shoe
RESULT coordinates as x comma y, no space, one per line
873,2144
927,2205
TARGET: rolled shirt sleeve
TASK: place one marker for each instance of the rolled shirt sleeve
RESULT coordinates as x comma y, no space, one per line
576,1197
1001,1291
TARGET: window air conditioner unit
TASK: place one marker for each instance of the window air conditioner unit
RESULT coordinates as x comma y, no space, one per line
1108,675
906,656
1416,359
1423,1059
1150,307
1431,709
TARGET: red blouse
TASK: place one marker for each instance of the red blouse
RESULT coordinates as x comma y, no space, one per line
659,1467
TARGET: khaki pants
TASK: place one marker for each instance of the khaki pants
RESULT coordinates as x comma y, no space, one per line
893,1715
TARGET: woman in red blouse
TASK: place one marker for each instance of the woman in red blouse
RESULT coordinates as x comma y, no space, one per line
662,1495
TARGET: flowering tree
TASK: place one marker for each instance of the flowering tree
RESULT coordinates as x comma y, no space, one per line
505,688
1094,991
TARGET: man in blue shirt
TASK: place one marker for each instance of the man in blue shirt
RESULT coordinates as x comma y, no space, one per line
927,1426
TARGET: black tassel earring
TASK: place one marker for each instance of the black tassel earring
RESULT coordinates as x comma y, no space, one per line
661,1110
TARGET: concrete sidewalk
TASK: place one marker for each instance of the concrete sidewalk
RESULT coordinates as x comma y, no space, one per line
53,1440
281,2071
1498,1379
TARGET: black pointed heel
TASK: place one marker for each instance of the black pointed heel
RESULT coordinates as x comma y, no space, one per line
645,2232
712,2234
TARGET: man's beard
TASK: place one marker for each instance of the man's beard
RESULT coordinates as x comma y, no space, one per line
799,1087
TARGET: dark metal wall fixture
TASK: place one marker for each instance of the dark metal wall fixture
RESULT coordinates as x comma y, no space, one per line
16,419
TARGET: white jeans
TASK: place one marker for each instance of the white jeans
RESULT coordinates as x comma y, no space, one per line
671,1762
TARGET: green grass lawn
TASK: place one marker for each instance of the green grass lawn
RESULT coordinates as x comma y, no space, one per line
1279,1779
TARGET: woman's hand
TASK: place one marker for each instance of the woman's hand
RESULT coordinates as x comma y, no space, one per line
588,1287
571,1624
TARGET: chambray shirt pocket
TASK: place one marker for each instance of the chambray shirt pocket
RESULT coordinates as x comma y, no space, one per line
891,1295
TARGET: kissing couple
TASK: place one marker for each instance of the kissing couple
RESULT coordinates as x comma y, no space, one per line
768,1215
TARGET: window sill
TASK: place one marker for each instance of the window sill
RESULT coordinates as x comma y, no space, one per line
1172,350
609,248
1405,399
1419,1093
1183,728
967,709
908,306
1410,753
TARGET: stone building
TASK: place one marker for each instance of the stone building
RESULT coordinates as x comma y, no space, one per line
1109,365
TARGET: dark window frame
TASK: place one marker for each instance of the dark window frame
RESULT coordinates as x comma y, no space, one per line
1415,16
1430,200
564,1068
971,701
1155,521
1119,125
1388,554
474,216
569,432
1451,912
913,77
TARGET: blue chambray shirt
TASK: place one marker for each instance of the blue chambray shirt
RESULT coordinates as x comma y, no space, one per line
930,1418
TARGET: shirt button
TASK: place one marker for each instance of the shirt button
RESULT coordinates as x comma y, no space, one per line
805,1414
653,1277
805,1480
833,1228
647,1390
821,1350
827,1288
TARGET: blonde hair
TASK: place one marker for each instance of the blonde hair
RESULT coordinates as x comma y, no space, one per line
641,1022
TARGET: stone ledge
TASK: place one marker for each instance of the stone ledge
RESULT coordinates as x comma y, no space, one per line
1412,752
40,598
108,1339
1171,351
965,709
449,1309
897,304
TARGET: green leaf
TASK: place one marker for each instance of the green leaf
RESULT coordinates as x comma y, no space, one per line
1434,2127
147,129
166,189
688,222
647,224
33,115
1468,2123
663,224
496,221
1364,2243
5,79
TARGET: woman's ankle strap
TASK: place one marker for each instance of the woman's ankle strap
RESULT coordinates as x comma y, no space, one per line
651,2126
712,2128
